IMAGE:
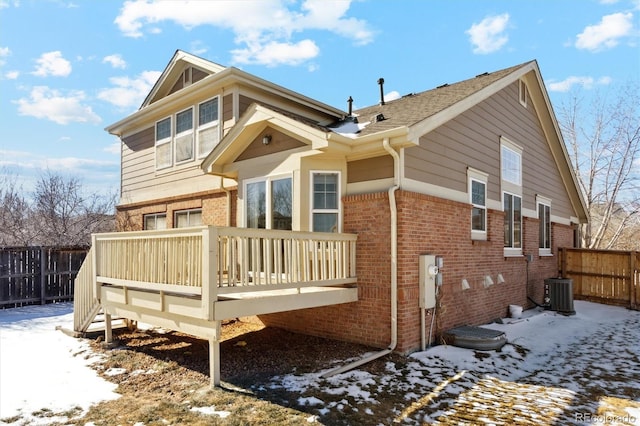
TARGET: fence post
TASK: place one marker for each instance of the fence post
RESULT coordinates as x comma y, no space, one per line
633,284
43,276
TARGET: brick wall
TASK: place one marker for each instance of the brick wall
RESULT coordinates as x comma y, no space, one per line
427,225
213,205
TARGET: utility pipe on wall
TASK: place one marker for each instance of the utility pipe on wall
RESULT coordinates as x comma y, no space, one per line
394,269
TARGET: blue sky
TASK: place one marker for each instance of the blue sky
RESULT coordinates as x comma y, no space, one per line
70,68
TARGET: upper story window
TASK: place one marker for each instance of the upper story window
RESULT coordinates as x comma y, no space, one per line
163,143
186,218
544,220
511,164
208,129
180,136
478,199
184,136
325,210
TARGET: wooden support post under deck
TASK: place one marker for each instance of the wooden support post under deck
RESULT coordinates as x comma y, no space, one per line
108,332
214,356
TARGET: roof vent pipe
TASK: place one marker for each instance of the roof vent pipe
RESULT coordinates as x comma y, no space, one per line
381,83
350,103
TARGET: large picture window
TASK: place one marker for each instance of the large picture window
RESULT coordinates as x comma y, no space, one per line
269,203
325,211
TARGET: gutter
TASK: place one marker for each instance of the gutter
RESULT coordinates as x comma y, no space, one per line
394,270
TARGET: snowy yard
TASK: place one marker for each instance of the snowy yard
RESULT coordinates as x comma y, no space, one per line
581,369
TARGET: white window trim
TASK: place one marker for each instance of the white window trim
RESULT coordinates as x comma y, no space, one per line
482,177
155,216
188,212
167,140
208,125
339,193
267,180
516,149
540,200
181,134
523,94
515,251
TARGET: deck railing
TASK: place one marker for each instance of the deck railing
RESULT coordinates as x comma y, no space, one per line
213,261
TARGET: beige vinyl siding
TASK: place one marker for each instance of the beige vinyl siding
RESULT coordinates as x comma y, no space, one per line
227,108
140,180
370,169
279,142
473,139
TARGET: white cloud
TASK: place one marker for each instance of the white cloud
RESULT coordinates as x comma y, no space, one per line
12,75
584,81
391,96
50,104
114,148
115,61
52,63
489,35
263,29
275,53
607,33
4,52
129,92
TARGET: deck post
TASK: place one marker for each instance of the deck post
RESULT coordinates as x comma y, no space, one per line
209,271
108,332
214,356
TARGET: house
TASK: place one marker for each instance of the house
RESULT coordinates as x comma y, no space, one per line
322,216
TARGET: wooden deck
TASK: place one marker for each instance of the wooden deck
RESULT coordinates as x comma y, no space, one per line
191,279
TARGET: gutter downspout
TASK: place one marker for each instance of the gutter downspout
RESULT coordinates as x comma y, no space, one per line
394,270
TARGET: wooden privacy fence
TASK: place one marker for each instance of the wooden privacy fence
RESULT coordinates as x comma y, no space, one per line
604,276
32,275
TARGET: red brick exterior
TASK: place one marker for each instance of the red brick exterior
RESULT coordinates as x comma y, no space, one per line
213,204
431,225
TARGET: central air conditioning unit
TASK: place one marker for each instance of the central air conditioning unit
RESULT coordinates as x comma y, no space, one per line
560,292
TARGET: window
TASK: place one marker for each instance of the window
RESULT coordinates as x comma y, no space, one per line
478,199
186,218
544,234
176,140
511,165
184,136
163,143
522,93
325,203
512,205
155,221
208,129
273,192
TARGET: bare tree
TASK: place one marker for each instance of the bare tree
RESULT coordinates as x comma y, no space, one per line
57,213
66,215
604,145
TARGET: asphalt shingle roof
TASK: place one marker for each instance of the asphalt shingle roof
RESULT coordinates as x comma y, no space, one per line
413,108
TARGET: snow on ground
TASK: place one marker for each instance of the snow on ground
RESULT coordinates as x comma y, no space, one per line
44,371
581,369
576,369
